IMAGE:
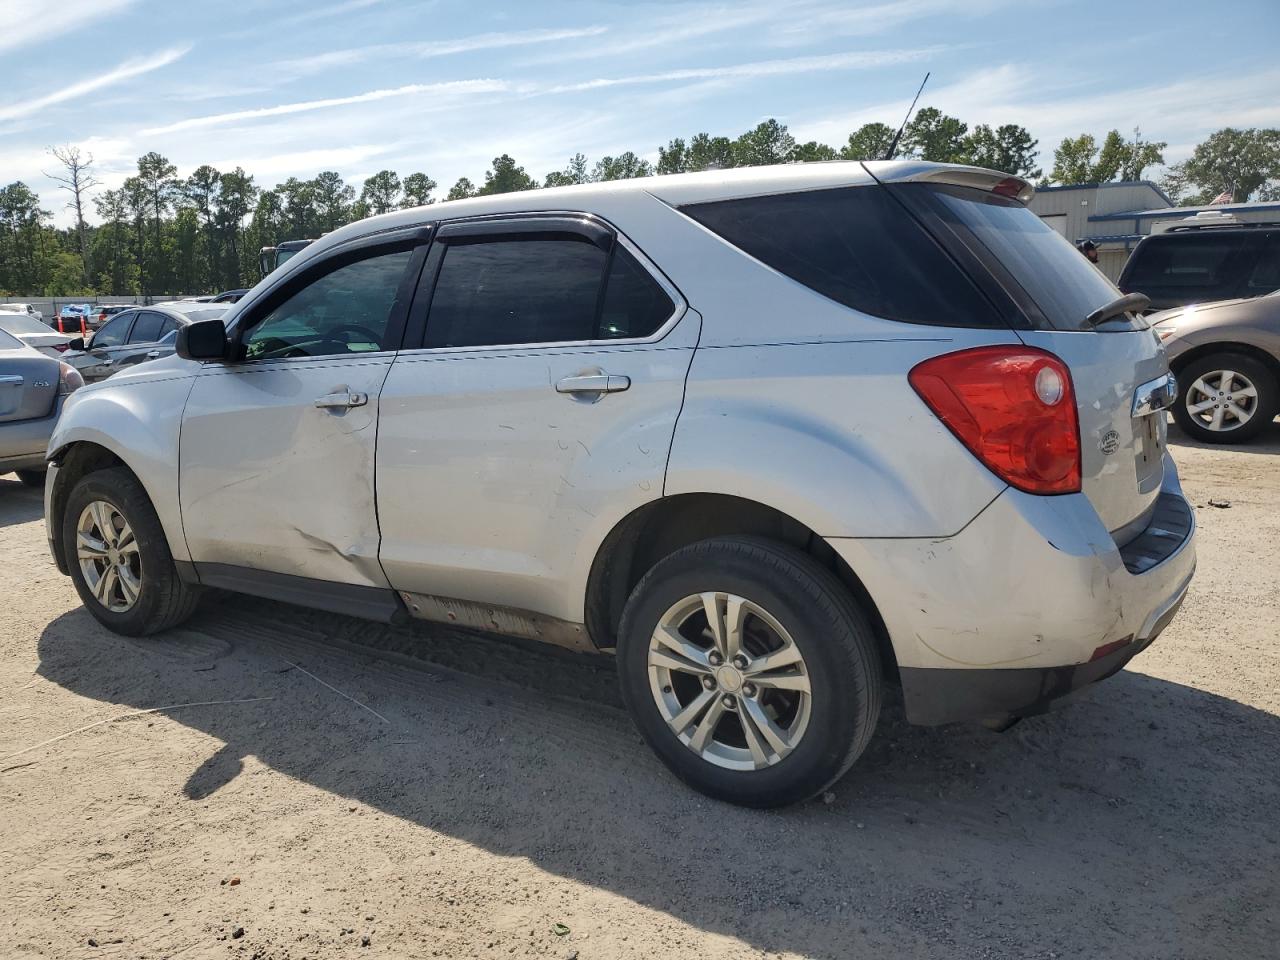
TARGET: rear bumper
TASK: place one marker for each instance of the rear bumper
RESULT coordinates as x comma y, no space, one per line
1007,616
23,443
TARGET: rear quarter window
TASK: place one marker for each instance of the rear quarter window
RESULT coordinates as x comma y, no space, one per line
857,246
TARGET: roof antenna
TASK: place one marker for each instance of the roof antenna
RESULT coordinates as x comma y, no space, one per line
893,146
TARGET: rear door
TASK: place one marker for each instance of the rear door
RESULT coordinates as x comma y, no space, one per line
1055,289
146,331
537,411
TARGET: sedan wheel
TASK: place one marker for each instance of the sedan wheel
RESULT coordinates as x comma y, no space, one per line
108,554
729,681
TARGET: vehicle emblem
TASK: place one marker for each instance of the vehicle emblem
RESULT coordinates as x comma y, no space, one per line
42,383
1109,443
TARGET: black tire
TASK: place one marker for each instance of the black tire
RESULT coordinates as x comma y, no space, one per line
164,600
31,478
825,623
1268,399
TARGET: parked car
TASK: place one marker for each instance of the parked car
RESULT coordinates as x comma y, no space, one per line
229,296
34,333
32,390
74,318
1227,360
105,313
777,436
134,336
26,308
1198,264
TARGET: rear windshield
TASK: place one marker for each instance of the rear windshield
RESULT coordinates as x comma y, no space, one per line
857,246
1060,282
21,323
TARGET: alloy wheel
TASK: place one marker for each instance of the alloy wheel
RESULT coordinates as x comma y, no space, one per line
729,681
1222,400
107,552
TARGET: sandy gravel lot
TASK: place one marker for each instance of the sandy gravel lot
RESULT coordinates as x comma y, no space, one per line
498,803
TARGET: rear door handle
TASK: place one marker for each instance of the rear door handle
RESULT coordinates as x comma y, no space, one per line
342,400
152,354
594,383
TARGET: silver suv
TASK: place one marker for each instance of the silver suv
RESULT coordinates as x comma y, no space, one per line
776,436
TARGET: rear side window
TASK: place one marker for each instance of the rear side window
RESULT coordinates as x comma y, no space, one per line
1265,276
541,290
1186,262
856,245
147,328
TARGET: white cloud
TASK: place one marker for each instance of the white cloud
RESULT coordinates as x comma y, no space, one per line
31,22
450,87
131,68
333,59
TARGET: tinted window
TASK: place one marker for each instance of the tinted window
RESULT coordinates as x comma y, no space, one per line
113,332
169,326
515,291
1063,284
344,311
634,305
1176,262
148,327
8,342
1266,269
856,245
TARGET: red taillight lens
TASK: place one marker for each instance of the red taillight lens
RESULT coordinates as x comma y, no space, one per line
60,347
69,378
1013,407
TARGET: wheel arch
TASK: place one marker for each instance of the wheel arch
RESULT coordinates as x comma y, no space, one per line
1200,351
662,526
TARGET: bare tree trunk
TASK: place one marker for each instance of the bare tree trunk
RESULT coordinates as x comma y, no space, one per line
78,181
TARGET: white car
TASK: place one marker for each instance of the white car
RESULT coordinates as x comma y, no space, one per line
776,436
35,333
26,308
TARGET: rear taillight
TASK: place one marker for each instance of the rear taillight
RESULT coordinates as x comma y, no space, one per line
61,347
69,378
1013,407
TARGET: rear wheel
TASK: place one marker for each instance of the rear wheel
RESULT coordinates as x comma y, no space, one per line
32,478
750,670
119,558
1225,398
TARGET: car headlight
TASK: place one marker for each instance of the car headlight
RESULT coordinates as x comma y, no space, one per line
69,378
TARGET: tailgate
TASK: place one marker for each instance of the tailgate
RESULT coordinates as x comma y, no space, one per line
1121,455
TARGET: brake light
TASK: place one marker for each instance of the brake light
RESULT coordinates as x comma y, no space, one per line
69,378
60,347
1013,407
1014,188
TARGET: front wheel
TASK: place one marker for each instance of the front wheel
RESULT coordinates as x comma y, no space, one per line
119,558
1225,398
750,670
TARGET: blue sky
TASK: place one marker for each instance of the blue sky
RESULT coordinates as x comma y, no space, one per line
443,86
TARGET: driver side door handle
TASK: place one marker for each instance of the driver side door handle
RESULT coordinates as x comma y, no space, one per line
342,400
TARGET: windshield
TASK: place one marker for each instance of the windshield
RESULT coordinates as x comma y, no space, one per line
1058,279
209,313
22,323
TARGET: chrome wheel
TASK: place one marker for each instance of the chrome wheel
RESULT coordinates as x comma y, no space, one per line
729,681
108,555
1222,400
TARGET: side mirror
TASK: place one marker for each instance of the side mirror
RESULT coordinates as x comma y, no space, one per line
202,340
76,344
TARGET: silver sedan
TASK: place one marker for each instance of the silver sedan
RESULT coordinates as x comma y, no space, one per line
32,389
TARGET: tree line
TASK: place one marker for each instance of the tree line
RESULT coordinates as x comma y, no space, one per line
160,234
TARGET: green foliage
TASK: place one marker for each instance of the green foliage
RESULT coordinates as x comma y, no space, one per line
1079,160
417,190
381,192
505,177
869,142
1009,148
625,166
812,152
1245,163
461,190
770,142
932,135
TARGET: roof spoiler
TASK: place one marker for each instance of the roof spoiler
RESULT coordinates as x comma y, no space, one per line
917,171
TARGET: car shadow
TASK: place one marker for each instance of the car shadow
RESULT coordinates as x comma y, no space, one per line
1146,810
18,502
1266,442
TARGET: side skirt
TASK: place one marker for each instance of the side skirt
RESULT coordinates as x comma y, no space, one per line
369,603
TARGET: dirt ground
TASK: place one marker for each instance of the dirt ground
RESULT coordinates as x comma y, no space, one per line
479,798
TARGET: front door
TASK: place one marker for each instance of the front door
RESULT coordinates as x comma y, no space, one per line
277,447
537,412
105,346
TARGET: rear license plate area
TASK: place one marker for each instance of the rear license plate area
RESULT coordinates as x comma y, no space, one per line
1151,433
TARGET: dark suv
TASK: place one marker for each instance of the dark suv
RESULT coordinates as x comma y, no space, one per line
1196,264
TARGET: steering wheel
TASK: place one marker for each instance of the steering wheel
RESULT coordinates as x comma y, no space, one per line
372,336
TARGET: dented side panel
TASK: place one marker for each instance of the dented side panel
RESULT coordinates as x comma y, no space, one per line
272,482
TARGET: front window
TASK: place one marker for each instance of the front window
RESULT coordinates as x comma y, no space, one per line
344,311
113,332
